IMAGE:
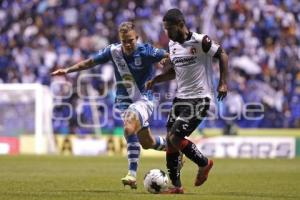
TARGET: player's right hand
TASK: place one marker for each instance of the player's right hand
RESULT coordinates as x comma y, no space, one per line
222,91
149,84
59,72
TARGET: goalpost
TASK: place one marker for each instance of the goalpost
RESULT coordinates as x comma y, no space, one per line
26,110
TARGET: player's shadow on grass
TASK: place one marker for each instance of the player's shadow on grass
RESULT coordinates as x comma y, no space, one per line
120,191
129,191
255,195
94,191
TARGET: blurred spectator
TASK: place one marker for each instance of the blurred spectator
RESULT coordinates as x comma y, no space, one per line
38,36
233,104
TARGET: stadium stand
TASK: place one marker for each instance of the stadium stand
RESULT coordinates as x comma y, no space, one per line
262,39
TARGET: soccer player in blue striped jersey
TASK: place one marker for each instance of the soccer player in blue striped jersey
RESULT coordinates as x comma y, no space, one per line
133,66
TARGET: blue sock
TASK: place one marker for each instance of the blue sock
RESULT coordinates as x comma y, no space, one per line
133,153
160,143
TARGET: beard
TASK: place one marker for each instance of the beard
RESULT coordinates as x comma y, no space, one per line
178,38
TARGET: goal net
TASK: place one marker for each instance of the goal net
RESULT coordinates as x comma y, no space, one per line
26,117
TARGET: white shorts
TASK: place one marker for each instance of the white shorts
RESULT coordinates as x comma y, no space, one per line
143,108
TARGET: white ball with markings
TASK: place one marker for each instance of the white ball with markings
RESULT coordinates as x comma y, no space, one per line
156,181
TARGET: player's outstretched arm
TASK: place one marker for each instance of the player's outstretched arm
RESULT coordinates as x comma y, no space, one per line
83,65
168,75
223,63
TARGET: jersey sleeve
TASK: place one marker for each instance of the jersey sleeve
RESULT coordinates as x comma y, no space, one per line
102,56
209,46
155,54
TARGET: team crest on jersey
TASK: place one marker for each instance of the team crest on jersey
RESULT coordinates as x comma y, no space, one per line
138,61
174,51
193,50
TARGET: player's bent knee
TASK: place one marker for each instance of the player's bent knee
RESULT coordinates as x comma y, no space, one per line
174,140
171,138
129,130
131,126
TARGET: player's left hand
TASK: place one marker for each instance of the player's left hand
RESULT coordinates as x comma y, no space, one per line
222,91
166,62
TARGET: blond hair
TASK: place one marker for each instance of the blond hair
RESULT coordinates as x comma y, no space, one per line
125,27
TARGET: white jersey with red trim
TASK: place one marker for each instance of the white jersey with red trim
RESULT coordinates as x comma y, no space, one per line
192,61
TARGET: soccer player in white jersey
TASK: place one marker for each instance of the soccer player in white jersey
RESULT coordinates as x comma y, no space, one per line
191,59
133,65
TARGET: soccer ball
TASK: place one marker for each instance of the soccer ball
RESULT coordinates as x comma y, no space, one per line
156,181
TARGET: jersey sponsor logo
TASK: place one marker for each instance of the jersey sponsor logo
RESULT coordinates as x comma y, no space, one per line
122,65
119,62
179,61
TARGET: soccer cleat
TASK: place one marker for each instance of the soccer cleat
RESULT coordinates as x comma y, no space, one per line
130,181
203,173
174,190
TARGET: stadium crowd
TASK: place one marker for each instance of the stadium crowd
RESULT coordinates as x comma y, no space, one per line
262,38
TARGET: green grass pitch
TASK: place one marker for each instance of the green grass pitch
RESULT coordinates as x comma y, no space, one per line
98,178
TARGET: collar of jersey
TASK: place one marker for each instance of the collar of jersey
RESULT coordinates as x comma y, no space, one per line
190,34
132,54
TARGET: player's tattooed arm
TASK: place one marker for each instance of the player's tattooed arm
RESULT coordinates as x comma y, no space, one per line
83,65
168,75
222,56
